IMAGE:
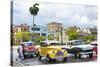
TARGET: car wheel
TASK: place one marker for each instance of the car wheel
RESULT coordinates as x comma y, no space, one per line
25,56
49,59
77,55
65,59
37,54
39,57
90,55
31,56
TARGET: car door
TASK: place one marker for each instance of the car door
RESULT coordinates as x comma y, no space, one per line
43,49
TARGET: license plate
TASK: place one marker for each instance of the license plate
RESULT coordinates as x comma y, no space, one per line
85,56
59,53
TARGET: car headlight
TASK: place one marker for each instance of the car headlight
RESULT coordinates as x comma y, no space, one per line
53,51
63,50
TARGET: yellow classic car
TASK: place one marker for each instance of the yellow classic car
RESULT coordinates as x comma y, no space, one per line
50,50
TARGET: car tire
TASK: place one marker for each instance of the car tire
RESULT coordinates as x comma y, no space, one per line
49,59
90,55
77,55
25,56
31,56
39,57
65,59
37,54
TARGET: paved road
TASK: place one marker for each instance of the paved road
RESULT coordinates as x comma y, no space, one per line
35,61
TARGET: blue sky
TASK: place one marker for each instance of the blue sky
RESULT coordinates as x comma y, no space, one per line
68,14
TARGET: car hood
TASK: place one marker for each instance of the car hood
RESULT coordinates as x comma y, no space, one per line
54,47
29,48
84,47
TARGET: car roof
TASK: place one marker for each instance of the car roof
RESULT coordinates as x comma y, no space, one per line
94,42
50,41
74,40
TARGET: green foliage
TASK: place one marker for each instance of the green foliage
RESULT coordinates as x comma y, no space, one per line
24,36
73,36
71,32
50,37
38,39
88,38
34,10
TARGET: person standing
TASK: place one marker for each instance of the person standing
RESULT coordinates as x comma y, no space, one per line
20,51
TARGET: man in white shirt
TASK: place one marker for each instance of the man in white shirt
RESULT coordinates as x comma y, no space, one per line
20,51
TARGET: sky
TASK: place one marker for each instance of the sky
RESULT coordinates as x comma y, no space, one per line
84,16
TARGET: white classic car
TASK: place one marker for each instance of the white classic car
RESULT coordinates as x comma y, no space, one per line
78,48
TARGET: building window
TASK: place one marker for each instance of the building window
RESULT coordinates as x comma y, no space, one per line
25,29
37,34
37,29
43,34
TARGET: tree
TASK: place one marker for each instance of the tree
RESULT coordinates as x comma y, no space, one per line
72,33
34,11
23,36
88,38
50,37
73,36
38,39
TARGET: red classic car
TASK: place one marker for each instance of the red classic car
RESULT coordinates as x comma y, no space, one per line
29,49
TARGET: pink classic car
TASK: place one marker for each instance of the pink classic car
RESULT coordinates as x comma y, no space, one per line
30,49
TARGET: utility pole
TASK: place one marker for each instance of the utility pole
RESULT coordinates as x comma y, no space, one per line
33,28
61,35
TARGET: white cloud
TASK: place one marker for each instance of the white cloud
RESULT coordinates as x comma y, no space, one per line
84,20
67,14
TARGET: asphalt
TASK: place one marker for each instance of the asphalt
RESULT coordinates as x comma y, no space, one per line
34,61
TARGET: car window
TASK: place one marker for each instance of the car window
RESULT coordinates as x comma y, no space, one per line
43,44
75,43
28,44
94,44
54,44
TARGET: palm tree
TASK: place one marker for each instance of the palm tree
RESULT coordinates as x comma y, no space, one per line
34,11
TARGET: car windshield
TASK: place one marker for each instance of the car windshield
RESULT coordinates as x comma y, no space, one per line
44,44
28,44
75,43
94,44
54,44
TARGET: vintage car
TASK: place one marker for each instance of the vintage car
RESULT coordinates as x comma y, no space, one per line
29,49
49,50
79,49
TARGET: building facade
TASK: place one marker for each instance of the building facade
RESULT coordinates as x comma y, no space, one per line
54,27
19,28
57,31
40,30
87,31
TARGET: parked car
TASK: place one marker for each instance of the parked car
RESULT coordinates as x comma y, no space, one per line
50,51
94,43
78,48
29,49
